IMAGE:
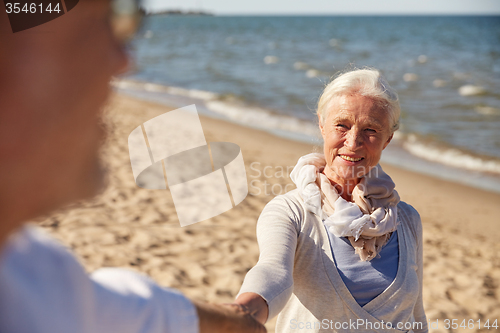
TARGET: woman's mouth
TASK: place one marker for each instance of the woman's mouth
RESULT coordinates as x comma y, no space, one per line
350,159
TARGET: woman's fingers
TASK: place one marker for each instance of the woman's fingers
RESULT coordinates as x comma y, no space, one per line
255,305
230,318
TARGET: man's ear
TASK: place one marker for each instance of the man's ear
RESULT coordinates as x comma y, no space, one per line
388,140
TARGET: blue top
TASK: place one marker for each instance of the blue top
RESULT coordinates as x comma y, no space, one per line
365,279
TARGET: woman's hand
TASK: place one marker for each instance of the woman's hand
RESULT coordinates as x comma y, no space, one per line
226,318
255,305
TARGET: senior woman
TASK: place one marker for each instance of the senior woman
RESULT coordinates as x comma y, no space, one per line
342,252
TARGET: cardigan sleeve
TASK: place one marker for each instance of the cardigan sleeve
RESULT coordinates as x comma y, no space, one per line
418,310
277,232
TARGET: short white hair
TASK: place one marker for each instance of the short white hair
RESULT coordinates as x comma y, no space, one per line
366,82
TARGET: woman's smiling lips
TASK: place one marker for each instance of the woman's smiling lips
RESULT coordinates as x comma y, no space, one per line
351,158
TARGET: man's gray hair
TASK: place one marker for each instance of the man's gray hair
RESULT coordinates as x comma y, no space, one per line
366,82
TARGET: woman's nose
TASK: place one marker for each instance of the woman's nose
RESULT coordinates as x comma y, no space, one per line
353,140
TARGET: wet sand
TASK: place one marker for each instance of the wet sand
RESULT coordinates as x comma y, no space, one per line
126,226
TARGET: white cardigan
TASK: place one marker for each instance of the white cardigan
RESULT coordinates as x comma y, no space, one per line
297,276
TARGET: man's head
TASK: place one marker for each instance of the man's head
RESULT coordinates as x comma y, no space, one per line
54,78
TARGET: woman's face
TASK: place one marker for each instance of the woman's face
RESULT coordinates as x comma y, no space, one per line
355,132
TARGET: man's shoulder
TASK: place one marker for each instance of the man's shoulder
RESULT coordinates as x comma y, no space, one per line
32,250
33,241
40,277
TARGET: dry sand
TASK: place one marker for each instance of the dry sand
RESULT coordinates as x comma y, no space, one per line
127,226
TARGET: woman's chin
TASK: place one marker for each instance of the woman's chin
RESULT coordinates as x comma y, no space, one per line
353,173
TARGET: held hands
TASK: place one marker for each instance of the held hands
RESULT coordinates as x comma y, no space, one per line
255,305
226,318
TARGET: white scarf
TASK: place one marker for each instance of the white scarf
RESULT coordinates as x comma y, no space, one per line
368,222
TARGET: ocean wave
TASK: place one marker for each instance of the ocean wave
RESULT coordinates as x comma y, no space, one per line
159,88
236,110
487,110
262,118
232,109
471,90
450,156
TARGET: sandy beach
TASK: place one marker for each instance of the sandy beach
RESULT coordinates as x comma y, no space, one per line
127,226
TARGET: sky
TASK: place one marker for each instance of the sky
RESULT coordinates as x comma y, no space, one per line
330,7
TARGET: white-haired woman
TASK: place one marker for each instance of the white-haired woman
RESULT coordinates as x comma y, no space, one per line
342,252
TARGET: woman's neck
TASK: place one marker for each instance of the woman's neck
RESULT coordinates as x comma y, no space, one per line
344,187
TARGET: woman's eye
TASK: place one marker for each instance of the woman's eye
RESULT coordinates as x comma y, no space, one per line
371,130
341,125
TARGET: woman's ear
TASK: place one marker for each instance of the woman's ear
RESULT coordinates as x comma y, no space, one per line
321,128
388,140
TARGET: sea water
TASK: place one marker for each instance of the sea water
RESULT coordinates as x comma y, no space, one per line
268,72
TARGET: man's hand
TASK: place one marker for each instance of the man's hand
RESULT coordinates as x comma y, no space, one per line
226,318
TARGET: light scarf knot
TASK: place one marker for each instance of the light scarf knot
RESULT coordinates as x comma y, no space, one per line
367,222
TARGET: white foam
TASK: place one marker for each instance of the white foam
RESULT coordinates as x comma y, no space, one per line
422,59
261,118
487,110
313,73
193,93
268,60
410,77
299,65
451,157
125,84
438,83
471,90
154,87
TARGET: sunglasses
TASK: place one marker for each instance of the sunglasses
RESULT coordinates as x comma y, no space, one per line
126,17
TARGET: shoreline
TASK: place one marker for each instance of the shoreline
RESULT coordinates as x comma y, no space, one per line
397,154
138,229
